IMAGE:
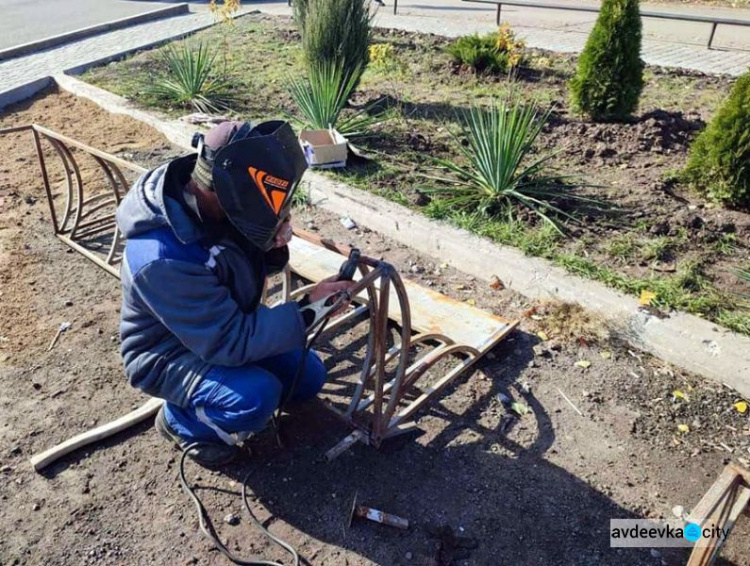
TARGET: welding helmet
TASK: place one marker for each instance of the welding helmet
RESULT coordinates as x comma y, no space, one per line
254,171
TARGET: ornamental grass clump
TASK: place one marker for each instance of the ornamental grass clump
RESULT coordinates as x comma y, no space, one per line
719,162
496,52
500,171
190,80
609,79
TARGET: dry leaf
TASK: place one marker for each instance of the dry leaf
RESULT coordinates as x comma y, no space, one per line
646,298
683,428
495,283
606,354
741,407
542,335
677,394
460,287
583,363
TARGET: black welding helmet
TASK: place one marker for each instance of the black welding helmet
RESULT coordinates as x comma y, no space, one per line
254,171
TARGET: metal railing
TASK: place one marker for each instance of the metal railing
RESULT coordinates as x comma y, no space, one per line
714,21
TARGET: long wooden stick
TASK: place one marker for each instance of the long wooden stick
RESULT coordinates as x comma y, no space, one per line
148,409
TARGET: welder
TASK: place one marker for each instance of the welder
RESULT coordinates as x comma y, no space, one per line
204,231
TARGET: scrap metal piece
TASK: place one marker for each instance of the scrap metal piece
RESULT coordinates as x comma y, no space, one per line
345,444
376,516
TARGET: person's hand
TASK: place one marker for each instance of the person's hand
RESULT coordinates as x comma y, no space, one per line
328,287
283,234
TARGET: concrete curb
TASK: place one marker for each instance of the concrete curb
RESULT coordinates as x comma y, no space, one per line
684,340
24,91
55,40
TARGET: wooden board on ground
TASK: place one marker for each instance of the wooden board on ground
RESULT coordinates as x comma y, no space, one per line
431,312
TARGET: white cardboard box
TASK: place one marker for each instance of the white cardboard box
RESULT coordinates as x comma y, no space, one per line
324,148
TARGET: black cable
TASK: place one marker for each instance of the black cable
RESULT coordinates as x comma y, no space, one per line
204,521
207,527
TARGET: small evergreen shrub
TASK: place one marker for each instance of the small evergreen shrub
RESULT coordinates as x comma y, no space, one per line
492,53
719,162
609,79
334,32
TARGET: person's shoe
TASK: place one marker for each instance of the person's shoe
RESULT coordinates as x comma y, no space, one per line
209,454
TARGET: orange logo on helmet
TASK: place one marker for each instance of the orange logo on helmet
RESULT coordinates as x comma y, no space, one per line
273,189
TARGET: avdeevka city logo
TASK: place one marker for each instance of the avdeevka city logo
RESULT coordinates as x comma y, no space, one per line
692,532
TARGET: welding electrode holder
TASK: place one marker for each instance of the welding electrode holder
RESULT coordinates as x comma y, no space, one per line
324,307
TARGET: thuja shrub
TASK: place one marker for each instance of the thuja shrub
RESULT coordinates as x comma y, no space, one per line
609,79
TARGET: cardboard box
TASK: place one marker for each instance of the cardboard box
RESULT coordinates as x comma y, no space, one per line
324,148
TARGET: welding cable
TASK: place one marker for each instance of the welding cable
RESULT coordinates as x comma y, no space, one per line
204,520
207,527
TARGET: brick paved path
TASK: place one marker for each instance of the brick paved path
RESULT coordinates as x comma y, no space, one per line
22,70
452,19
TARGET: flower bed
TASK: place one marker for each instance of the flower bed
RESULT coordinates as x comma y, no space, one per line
657,237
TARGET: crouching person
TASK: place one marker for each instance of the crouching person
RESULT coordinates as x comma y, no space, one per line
203,233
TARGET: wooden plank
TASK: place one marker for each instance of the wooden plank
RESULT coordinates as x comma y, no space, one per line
431,312
714,496
148,409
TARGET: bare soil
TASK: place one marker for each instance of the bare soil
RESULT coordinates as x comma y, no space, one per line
478,485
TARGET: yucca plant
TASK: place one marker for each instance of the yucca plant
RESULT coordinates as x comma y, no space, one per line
190,80
501,171
322,96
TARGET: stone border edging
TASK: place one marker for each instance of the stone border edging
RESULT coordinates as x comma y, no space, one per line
52,41
685,340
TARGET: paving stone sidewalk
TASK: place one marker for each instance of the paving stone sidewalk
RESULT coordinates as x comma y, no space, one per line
23,70
464,21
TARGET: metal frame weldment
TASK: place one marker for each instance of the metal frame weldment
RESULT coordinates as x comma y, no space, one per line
379,284
379,407
83,217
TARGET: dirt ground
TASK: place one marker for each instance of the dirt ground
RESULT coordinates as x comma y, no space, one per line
479,486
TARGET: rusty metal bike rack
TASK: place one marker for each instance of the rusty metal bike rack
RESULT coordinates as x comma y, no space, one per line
382,414
82,218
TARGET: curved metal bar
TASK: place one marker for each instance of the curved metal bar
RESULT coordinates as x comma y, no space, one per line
88,149
368,368
286,284
116,180
116,238
123,181
403,301
108,173
473,355
301,291
69,181
388,386
381,335
79,189
45,179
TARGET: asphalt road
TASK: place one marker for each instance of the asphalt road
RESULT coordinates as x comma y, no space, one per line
22,21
